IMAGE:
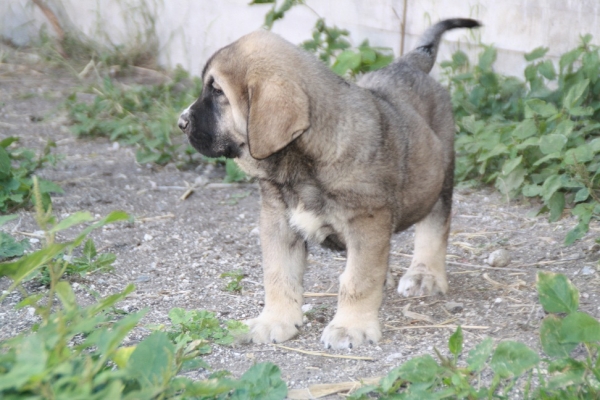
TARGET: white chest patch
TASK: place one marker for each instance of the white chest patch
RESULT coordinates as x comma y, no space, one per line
308,223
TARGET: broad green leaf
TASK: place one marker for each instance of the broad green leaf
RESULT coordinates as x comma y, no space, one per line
6,218
179,316
455,343
565,127
547,158
547,70
510,183
487,58
261,381
512,359
567,59
529,142
575,94
579,327
422,369
152,360
30,362
539,107
551,185
348,60
531,190
579,111
582,195
525,129
572,373
579,155
121,356
556,204
5,165
538,52
552,143
9,247
551,339
556,293
65,294
49,187
387,382
479,355
577,233
510,165
17,270
595,145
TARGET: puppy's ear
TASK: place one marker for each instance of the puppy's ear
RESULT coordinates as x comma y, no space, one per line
278,114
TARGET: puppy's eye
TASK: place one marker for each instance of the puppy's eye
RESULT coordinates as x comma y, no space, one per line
216,89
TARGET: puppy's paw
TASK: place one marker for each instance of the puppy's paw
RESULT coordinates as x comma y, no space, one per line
269,328
347,333
421,281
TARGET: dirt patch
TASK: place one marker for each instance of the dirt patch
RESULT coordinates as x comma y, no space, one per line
177,249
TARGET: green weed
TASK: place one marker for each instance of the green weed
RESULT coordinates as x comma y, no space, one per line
537,138
144,116
78,352
235,277
17,164
331,44
204,326
511,364
10,247
89,262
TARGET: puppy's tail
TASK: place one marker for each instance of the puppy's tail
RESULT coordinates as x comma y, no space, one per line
424,55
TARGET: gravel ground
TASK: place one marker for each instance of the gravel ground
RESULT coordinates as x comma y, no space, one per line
177,249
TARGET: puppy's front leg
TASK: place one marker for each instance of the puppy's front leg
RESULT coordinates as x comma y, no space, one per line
284,261
361,285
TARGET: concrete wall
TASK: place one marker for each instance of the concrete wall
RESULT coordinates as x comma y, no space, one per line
191,30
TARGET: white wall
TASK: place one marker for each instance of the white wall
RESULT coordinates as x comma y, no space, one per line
191,30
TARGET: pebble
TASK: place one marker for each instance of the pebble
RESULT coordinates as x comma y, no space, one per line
587,270
454,307
499,258
142,278
147,237
307,307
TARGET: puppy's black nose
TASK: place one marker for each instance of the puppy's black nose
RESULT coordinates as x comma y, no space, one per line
183,121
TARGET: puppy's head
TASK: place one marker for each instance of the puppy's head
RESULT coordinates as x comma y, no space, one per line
252,102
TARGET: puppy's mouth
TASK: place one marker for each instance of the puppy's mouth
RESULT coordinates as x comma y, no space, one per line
207,145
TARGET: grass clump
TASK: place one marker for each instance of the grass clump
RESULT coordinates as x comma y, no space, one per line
17,165
143,116
511,368
538,137
80,352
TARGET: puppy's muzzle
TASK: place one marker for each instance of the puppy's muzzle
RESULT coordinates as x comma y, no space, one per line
184,121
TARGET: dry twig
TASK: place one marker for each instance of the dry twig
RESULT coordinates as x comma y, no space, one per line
322,354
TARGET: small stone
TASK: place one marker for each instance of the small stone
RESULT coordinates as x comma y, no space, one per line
31,311
499,258
393,356
147,237
587,270
255,232
307,307
454,307
200,181
498,300
142,278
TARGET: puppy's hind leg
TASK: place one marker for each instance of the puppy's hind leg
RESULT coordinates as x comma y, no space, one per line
427,272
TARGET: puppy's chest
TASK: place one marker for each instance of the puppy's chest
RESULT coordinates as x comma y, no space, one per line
318,223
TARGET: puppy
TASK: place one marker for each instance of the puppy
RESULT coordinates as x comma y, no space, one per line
341,164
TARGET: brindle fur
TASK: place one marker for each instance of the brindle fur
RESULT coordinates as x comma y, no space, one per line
338,163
